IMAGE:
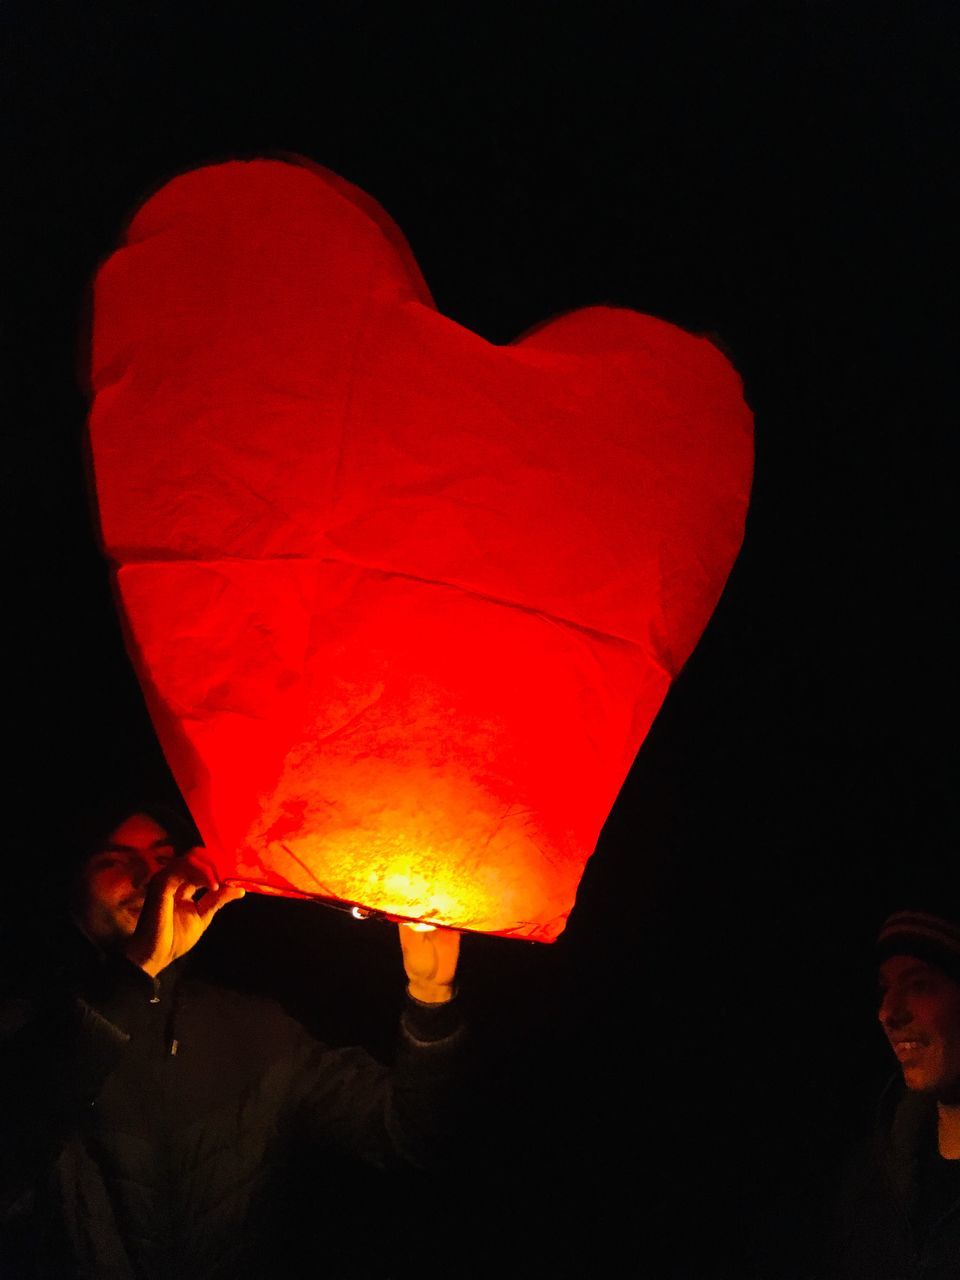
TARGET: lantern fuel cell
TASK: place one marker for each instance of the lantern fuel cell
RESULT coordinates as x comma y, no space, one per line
403,603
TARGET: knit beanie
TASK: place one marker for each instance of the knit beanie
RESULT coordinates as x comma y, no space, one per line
930,937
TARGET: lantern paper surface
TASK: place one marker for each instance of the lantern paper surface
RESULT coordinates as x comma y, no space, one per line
403,602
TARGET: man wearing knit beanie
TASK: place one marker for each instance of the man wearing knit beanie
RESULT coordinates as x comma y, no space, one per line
900,1206
919,964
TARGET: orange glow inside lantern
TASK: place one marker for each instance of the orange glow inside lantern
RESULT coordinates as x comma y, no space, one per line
403,603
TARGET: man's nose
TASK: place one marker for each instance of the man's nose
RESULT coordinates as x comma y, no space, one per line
142,868
893,1011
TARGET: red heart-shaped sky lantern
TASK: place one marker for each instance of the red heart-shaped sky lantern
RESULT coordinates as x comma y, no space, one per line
403,602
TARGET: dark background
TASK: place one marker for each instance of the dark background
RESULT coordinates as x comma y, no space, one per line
666,1090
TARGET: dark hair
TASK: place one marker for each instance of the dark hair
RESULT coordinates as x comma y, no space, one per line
43,880
83,829
86,829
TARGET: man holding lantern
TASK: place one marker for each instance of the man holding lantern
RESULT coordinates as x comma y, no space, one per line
146,1109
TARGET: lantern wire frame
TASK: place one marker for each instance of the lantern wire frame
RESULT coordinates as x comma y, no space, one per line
357,911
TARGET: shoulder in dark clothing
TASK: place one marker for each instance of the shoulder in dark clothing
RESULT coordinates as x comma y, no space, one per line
888,1228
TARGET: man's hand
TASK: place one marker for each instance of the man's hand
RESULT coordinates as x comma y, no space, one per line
430,959
171,921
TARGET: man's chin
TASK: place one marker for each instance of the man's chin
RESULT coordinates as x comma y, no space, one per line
932,1085
916,1079
125,923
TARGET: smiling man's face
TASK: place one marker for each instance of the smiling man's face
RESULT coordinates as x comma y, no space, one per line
111,888
920,1015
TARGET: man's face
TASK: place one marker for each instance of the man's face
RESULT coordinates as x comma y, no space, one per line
114,879
920,1014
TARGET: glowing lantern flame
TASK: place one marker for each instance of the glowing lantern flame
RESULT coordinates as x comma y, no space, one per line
403,603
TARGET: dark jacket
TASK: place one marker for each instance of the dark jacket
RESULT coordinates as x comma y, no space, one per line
143,1119
899,1206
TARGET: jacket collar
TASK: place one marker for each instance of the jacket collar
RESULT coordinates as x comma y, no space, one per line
913,1125
71,954
912,1133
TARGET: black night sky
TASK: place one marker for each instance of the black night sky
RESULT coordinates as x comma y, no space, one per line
666,1091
